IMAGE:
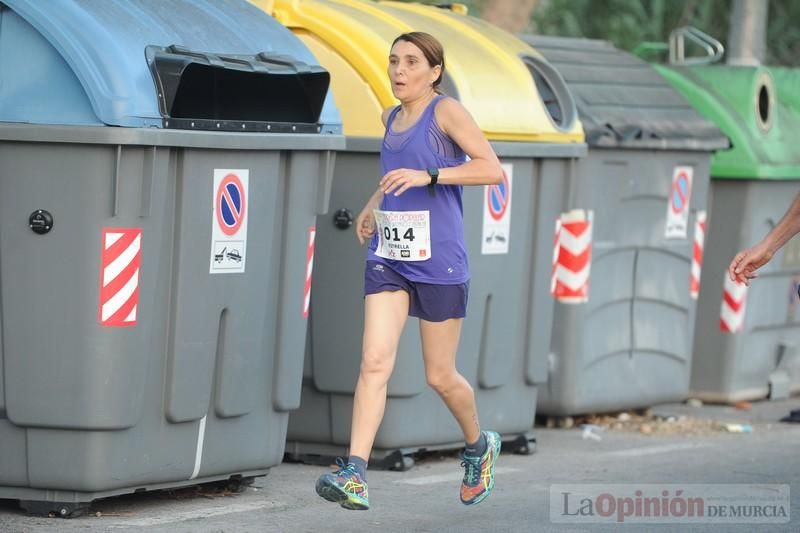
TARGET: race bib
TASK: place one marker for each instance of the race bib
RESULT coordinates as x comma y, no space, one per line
403,235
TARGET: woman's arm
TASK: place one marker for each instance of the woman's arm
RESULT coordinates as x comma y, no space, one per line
744,265
365,222
483,168
375,200
787,228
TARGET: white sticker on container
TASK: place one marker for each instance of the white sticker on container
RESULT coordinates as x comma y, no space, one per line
678,203
497,214
229,221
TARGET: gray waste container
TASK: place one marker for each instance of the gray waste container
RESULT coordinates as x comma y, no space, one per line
508,231
747,342
624,317
147,340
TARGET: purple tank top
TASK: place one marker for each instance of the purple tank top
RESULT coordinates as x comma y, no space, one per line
421,146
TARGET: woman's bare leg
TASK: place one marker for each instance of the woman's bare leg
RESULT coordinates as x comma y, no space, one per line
439,347
385,315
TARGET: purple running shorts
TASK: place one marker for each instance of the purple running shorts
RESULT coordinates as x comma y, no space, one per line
434,303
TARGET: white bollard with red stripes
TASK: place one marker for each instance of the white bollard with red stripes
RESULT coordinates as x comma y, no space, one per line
312,232
572,257
697,254
734,297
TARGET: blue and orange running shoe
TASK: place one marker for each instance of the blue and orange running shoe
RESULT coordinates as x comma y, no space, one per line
479,471
345,487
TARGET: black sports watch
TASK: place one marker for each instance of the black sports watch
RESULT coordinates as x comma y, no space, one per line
433,172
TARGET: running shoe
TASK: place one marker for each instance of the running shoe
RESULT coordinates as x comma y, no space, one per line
479,471
345,487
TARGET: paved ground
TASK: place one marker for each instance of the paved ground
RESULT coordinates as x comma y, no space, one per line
424,499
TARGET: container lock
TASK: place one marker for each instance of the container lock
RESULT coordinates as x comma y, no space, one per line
40,221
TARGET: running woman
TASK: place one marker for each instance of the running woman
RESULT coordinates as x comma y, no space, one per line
417,263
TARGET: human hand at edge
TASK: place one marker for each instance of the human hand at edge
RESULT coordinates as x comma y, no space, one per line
744,265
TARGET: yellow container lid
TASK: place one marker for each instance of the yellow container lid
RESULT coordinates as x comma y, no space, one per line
489,68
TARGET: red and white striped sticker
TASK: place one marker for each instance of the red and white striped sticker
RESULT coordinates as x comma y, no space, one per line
697,254
556,255
734,297
119,276
572,257
312,233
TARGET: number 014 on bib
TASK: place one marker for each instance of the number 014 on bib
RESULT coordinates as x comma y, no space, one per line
403,235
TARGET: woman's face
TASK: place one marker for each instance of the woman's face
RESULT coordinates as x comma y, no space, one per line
409,72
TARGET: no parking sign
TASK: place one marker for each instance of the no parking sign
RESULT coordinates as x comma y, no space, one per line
678,203
497,214
229,221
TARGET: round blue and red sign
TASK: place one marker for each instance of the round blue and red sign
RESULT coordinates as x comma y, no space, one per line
498,198
230,204
680,193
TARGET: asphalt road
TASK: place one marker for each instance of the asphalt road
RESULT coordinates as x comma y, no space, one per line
425,499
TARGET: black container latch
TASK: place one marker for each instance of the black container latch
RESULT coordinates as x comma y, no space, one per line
343,218
40,221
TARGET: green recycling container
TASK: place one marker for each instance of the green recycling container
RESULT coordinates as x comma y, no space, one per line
747,338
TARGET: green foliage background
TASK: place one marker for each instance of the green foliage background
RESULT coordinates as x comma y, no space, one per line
628,23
